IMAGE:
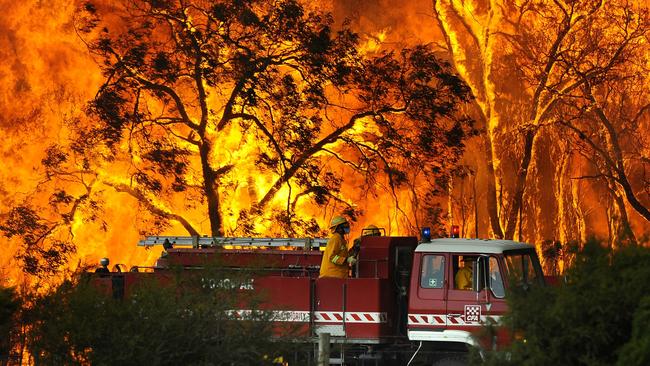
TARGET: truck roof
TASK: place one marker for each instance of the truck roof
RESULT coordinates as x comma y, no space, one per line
455,245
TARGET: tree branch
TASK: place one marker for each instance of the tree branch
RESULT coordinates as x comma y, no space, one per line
141,197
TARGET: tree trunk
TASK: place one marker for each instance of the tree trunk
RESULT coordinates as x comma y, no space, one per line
211,189
611,137
491,189
520,186
624,231
475,206
476,54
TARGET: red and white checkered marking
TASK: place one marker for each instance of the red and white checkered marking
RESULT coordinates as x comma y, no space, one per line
350,317
449,320
472,313
426,319
328,316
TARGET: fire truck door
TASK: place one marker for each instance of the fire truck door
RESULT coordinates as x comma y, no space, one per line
465,306
427,302
329,306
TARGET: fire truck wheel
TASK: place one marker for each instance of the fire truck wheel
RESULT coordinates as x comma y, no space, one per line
451,361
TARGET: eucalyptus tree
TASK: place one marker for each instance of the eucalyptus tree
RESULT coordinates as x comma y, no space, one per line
526,61
209,97
240,118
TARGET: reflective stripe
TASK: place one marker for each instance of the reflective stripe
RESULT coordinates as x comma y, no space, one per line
338,260
426,319
443,319
350,317
330,317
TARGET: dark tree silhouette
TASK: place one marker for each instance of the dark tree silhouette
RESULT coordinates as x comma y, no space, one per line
210,96
237,114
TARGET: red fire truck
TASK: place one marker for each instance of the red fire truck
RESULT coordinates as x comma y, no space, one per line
401,305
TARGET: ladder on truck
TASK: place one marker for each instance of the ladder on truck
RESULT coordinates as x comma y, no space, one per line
243,242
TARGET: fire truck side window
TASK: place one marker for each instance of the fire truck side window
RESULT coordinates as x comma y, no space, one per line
521,269
496,280
433,271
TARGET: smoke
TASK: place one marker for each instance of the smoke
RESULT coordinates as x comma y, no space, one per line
406,22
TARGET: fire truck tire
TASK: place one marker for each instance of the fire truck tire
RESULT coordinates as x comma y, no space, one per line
451,361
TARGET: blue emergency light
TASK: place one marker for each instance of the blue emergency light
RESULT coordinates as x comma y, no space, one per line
426,234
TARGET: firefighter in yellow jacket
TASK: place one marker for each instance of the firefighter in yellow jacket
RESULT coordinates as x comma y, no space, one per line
465,274
336,258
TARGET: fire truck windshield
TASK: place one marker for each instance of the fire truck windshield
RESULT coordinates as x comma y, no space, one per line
523,268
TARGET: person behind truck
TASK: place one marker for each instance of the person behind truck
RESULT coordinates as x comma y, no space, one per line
463,279
163,262
336,258
104,266
370,230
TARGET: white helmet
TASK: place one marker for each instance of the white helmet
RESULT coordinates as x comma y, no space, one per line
337,220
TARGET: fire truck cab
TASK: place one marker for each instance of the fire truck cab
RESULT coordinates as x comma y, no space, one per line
441,310
401,303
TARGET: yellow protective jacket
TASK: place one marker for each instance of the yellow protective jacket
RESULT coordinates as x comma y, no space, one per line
334,263
464,279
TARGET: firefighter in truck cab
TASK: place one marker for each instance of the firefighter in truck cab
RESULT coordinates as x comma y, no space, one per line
336,257
465,274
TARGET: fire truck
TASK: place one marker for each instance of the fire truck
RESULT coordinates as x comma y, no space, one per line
401,305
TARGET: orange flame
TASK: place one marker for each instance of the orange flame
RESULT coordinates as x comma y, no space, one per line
48,75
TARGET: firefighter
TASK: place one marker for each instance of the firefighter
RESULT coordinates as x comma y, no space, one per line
104,266
336,258
370,230
163,262
464,275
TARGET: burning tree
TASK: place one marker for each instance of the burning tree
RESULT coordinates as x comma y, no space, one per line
561,52
209,97
248,114
608,114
